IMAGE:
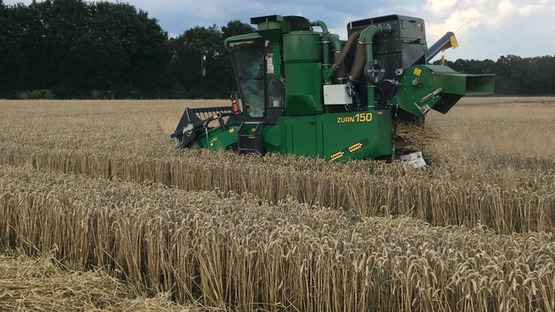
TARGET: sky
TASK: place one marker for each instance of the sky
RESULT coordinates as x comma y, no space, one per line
485,29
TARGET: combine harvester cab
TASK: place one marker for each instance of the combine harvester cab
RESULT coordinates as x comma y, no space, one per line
307,93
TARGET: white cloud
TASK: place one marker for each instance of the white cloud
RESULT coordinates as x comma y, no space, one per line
459,21
491,28
505,7
530,9
440,7
471,14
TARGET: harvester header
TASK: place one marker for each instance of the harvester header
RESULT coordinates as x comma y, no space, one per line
303,91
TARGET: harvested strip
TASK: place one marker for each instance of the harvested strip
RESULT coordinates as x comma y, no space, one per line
39,285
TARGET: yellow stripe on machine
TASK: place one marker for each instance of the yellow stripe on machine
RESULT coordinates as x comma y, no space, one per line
337,155
355,147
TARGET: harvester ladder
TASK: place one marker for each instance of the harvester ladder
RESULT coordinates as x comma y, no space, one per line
249,138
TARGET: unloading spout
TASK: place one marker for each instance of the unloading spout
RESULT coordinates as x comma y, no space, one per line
447,41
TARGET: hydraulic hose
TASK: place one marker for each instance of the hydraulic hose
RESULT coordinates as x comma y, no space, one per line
325,44
358,63
336,49
365,47
365,53
320,24
338,65
335,42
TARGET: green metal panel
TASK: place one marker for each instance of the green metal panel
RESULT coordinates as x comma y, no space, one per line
303,93
301,46
274,25
338,136
271,26
289,134
216,139
425,87
357,135
303,129
275,140
415,85
303,73
480,84
383,133
320,139
276,59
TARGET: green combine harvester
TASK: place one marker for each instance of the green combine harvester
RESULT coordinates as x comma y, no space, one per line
308,93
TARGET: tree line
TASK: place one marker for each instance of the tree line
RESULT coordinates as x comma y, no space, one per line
77,49
514,74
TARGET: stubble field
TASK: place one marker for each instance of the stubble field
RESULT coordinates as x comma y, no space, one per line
98,185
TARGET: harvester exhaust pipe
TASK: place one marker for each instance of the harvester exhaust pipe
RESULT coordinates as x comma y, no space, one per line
447,41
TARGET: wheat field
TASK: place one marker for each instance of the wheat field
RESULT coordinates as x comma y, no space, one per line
98,185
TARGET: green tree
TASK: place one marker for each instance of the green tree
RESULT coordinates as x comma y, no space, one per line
514,74
122,49
189,48
21,45
64,36
539,77
74,47
10,49
35,21
509,72
236,27
188,51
